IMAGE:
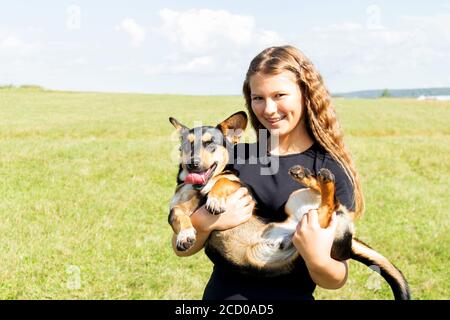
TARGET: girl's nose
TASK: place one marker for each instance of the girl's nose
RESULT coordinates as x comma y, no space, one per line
271,107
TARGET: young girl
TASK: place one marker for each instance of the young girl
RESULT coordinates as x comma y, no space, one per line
285,96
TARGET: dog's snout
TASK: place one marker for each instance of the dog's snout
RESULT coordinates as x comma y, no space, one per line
195,164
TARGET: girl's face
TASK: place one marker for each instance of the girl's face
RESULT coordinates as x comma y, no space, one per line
277,102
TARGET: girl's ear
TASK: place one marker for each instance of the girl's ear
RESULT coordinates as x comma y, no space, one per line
233,127
180,127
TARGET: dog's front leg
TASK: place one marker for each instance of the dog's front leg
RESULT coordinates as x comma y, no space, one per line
183,204
219,193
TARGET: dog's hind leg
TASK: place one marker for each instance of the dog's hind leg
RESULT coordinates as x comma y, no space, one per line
324,185
304,177
328,202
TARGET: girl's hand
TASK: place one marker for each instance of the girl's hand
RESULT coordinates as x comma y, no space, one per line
239,208
313,242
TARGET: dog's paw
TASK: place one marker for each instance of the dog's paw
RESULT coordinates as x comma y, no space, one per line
215,205
300,173
186,239
325,175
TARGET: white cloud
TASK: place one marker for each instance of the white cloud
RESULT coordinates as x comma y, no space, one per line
377,57
202,30
174,65
11,42
136,32
208,41
76,62
429,27
119,68
266,38
202,64
15,45
342,27
197,65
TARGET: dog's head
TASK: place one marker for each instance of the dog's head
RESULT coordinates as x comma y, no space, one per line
204,150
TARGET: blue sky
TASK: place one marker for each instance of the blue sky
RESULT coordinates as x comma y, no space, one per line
204,47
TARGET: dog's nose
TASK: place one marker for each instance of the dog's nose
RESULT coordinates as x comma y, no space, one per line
195,164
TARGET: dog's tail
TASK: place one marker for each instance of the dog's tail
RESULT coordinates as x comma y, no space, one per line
363,253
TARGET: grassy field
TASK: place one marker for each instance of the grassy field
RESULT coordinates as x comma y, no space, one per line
85,181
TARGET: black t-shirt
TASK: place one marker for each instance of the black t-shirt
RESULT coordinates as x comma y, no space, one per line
269,181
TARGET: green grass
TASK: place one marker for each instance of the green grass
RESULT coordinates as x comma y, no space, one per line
86,179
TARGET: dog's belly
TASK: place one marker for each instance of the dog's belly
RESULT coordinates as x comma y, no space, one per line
232,247
266,247
233,243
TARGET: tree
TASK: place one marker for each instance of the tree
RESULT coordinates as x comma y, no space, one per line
386,93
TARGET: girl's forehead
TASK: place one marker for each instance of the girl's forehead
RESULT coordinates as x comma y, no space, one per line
281,80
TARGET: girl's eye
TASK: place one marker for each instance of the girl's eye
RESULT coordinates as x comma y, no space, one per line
256,98
279,95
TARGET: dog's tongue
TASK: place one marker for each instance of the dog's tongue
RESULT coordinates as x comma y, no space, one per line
195,178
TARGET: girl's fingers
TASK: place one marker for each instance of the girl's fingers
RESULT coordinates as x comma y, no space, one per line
302,224
243,191
313,218
333,222
244,201
239,193
248,207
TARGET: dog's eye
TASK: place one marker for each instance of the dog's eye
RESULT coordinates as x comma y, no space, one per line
209,145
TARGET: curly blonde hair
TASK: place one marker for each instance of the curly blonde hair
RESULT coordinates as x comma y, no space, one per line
320,117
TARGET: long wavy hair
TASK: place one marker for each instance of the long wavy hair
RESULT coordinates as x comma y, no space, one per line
320,117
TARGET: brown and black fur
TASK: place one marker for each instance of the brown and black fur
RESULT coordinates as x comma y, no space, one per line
259,246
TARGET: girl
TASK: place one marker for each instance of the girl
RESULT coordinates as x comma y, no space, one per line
286,97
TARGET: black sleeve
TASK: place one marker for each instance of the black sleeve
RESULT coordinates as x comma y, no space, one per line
344,188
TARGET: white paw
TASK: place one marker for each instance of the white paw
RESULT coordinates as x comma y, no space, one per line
215,205
186,239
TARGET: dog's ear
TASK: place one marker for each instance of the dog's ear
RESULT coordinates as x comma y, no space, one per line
180,127
233,127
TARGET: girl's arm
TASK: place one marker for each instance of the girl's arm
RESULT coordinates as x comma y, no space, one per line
239,209
314,245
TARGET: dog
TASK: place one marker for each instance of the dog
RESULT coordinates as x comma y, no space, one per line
259,246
